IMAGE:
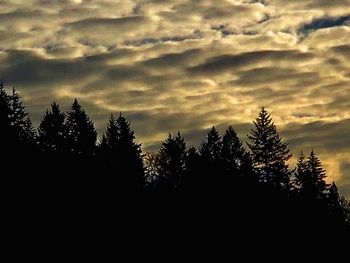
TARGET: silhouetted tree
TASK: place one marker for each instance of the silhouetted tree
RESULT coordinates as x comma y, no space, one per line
334,205
112,133
29,133
345,204
20,120
7,135
52,130
81,132
315,184
122,154
301,172
172,161
269,153
235,160
193,167
210,149
129,154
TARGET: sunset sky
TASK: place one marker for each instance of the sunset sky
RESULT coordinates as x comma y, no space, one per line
189,64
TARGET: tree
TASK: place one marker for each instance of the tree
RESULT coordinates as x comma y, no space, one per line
269,153
235,160
172,160
301,172
121,152
20,120
6,130
29,133
334,201
345,204
111,136
210,149
52,130
129,153
81,131
316,184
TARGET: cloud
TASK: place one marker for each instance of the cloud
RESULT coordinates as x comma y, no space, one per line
189,64
324,23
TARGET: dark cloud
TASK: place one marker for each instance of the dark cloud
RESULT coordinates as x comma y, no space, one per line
106,23
233,62
28,68
270,75
320,135
324,22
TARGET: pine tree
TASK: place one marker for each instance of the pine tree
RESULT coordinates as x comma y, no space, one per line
52,130
112,133
210,149
29,133
129,154
20,120
345,204
172,160
120,151
301,172
81,131
235,160
316,185
269,153
6,130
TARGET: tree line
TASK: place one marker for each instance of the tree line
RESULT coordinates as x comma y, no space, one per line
64,157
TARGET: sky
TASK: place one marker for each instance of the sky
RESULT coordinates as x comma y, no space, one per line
187,65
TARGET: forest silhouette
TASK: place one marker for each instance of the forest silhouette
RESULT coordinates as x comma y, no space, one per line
253,185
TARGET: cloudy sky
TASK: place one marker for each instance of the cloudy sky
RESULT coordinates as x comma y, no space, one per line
189,64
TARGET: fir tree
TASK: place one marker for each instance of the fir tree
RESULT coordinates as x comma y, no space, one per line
129,154
119,150
29,133
269,153
6,130
235,160
210,149
301,172
20,120
316,184
172,160
81,132
52,130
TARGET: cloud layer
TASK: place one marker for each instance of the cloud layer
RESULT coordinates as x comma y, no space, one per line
189,64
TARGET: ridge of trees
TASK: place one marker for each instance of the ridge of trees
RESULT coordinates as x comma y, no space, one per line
222,167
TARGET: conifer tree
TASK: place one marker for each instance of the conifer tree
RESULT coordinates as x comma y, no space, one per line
310,177
6,131
317,173
29,133
20,120
52,130
301,172
210,149
235,160
120,151
129,153
269,153
81,131
172,160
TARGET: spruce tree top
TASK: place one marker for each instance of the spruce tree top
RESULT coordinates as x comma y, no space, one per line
211,147
269,153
